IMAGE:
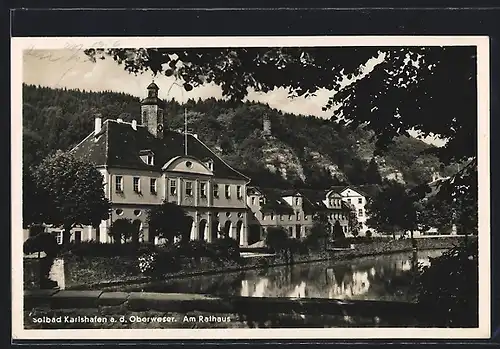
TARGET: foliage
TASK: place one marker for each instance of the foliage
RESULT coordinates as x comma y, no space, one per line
94,248
160,261
414,85
338,233
123,230
368,234
42,242
277,239
242,147
393,209
372,173
70,193
320,232
169,221
449,286
226,249
353,222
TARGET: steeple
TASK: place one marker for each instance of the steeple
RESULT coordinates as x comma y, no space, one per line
152,111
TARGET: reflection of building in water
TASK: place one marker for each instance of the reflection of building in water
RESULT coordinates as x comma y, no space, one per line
254,288
299,291
357,285
407,264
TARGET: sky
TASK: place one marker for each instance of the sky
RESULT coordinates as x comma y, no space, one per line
66,68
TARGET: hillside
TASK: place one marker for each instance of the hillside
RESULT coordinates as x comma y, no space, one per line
302,150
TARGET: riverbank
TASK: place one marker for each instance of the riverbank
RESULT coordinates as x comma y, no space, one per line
87,273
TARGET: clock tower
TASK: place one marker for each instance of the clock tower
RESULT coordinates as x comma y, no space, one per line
152,111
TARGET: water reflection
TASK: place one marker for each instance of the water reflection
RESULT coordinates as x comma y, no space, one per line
386,277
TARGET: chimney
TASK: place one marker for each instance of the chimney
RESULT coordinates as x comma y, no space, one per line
98,124
134,124
119,120
195,135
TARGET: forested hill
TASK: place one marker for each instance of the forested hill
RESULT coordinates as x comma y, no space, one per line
303,150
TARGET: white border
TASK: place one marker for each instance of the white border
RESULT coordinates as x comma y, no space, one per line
483,92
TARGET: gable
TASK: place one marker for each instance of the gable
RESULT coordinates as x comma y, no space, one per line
186,164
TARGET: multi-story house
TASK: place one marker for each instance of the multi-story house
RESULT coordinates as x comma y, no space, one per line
144,164
293,210
356,199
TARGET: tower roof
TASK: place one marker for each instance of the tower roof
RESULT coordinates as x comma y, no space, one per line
153,86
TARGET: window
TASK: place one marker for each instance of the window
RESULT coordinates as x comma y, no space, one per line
216,190
189,164
119,184
253,200
203,189
272,216
239,194
137,185
152,185
228,191
119,211
360,200
290,217
210,165
360,212
189,188
305,217
137,212
282,218
263,216
58,236
349,200
296,201
78,236
150,160
298,216
173,187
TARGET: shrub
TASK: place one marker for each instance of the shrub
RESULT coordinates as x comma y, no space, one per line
449,286
368,234
42,242
96,249
156,263
226,249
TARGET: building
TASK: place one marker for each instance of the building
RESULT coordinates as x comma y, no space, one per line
144,164
293,210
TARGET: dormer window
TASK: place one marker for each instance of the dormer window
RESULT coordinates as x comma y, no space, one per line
209,163
147,156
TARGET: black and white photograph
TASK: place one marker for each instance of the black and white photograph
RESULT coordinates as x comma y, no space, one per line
251,187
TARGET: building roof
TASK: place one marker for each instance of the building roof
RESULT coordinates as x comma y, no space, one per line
119,145
274,201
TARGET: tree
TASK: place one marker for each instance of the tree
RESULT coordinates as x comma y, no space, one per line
338,233
123,230
277,239
407,89
431,90
320,231
71,193
169,221
372,173
354,224
393,209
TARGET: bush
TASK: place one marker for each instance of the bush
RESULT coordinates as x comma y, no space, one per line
449,286
368,234
42,242
96,249
156,263
226,249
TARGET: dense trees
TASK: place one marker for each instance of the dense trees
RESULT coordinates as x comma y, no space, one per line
66,192
233,128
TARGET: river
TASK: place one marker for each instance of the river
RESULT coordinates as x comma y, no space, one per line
384,277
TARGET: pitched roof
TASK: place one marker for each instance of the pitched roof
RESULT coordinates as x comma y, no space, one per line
275,201
119,145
